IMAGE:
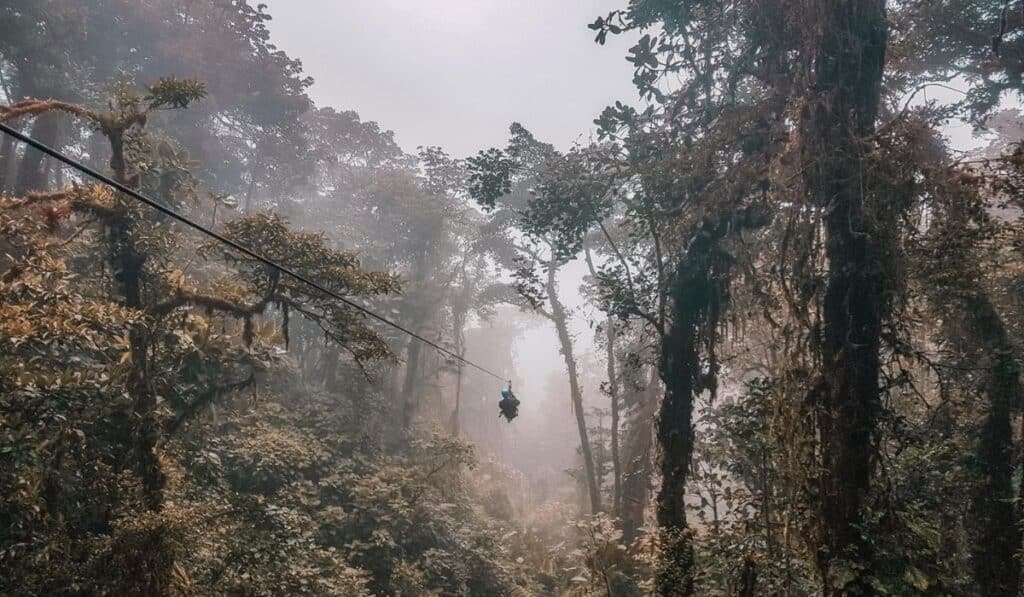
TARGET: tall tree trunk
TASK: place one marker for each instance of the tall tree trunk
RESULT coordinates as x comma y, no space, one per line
250,190
680,371
457,411
637,475
748,579
57,175
846,86
460,311
614,386
699,298
129,263
613,393
459,332
560,318
146,432
332,365
995,532
32,171
410,391
8,157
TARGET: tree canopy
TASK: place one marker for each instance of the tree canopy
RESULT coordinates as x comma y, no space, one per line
788,309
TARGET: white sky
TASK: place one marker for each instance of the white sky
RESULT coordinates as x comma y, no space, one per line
456,73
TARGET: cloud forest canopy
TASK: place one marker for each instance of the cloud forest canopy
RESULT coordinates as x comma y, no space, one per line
788,310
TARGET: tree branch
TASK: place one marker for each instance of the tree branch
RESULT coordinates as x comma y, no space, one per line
204,400
34,107
190,299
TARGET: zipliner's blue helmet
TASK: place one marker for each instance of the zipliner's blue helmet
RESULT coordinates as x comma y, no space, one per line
509,404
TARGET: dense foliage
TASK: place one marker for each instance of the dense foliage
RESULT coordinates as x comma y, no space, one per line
805,370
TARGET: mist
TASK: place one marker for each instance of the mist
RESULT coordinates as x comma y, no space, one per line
607,297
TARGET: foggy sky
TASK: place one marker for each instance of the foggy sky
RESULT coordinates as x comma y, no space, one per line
456,73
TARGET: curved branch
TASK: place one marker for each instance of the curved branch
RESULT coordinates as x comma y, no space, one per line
74,197
35,107
34,198
185,298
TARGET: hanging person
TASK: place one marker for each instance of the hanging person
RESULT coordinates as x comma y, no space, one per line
509,404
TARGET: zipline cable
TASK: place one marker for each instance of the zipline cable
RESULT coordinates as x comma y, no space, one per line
53,153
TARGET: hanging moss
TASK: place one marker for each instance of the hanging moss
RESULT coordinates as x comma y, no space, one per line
285,325
247,332
699,299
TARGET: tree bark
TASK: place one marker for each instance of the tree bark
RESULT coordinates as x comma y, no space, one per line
410,391
996,531
748,579
843,107
457,411
699,298
32,171
680,371
560,318
130,263
332,365
637,475
8,157
460,312
613,393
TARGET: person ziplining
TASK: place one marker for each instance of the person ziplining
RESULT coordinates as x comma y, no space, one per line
509,404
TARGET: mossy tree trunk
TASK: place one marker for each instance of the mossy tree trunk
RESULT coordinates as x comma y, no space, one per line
837,125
